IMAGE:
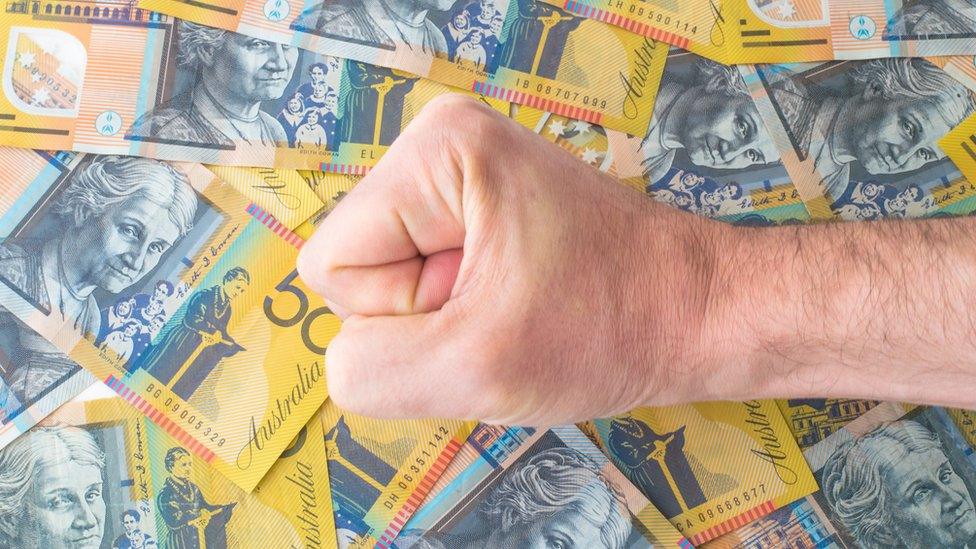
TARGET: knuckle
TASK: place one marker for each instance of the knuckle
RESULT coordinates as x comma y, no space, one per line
473,123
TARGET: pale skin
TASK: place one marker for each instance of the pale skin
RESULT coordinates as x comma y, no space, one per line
484,273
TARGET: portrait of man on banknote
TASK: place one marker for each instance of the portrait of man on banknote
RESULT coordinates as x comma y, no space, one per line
871,120
231,76
52,489
555,497
895,486
933,19
384,24
703,117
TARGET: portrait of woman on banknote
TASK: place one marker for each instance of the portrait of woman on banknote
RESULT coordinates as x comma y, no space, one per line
934,19
52,490
94,238
707,117
555,498
895,487
232,75
863,120
382,24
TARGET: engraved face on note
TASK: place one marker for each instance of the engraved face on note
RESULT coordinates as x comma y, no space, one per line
896,486
384,24
110,222
51,490
555,497
707,148
30,368
231,75
932,19
704,117
868,122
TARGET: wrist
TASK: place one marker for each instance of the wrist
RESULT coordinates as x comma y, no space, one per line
686,265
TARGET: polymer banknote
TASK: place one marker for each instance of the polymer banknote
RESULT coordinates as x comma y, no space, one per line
524,51
959,145
861,139
381,470
284,194
725,195
706,150
128,81
29,395
709,467
898,476
814,419
170,287
520,487
100,474
786,31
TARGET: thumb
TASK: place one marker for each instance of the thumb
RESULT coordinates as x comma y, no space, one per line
401,366
393,245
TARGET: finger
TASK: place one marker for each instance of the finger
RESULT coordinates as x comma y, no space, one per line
377,252
399,366
418,284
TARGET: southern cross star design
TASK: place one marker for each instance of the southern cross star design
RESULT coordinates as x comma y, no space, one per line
590,156
41,96
26,59
557,128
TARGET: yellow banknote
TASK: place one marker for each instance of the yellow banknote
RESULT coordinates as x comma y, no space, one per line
523,51
329,188
783,31
727,31
965,421
813,419
691,157
709,467
609,151
523,487
104,475
158,87
285,194
165,283
380,470
897,474
959,145
858,147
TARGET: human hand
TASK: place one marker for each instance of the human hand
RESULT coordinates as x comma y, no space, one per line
485,273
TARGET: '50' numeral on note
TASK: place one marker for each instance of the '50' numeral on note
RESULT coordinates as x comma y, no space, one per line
302,315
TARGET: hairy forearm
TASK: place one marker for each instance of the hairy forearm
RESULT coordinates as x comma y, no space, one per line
879,310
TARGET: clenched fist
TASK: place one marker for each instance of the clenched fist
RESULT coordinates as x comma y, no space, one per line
484,273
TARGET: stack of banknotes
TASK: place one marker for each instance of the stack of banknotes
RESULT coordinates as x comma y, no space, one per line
161,363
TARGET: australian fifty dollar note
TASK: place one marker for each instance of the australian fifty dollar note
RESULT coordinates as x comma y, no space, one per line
709,467
98,473
744,31
897,475
113,79
171,287
381,470
524,51
520,487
